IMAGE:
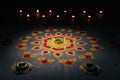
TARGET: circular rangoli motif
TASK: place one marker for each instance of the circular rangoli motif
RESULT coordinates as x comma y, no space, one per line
58,43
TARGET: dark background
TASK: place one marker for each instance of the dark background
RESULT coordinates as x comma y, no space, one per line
8,13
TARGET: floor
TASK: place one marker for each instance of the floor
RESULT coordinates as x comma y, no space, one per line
108,58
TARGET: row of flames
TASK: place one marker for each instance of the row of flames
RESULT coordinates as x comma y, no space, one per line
50,13
58,16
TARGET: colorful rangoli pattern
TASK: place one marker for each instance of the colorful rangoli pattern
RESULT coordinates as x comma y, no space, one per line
22,46
57,54
45,52
44,60
57,43
28,54
70,53
68,62
87,56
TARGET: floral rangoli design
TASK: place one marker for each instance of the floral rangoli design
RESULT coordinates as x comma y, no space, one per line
58,43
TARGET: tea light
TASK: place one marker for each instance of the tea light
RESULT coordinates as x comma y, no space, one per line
65,11
37,11
20,11
100,12
28,15
43,16
28,18
58,16
73,16
50,11
84,12
89,16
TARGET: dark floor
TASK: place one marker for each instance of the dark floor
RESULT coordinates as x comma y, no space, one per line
108,58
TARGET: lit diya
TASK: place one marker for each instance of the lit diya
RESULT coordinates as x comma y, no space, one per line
58,40
90,68
22,67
